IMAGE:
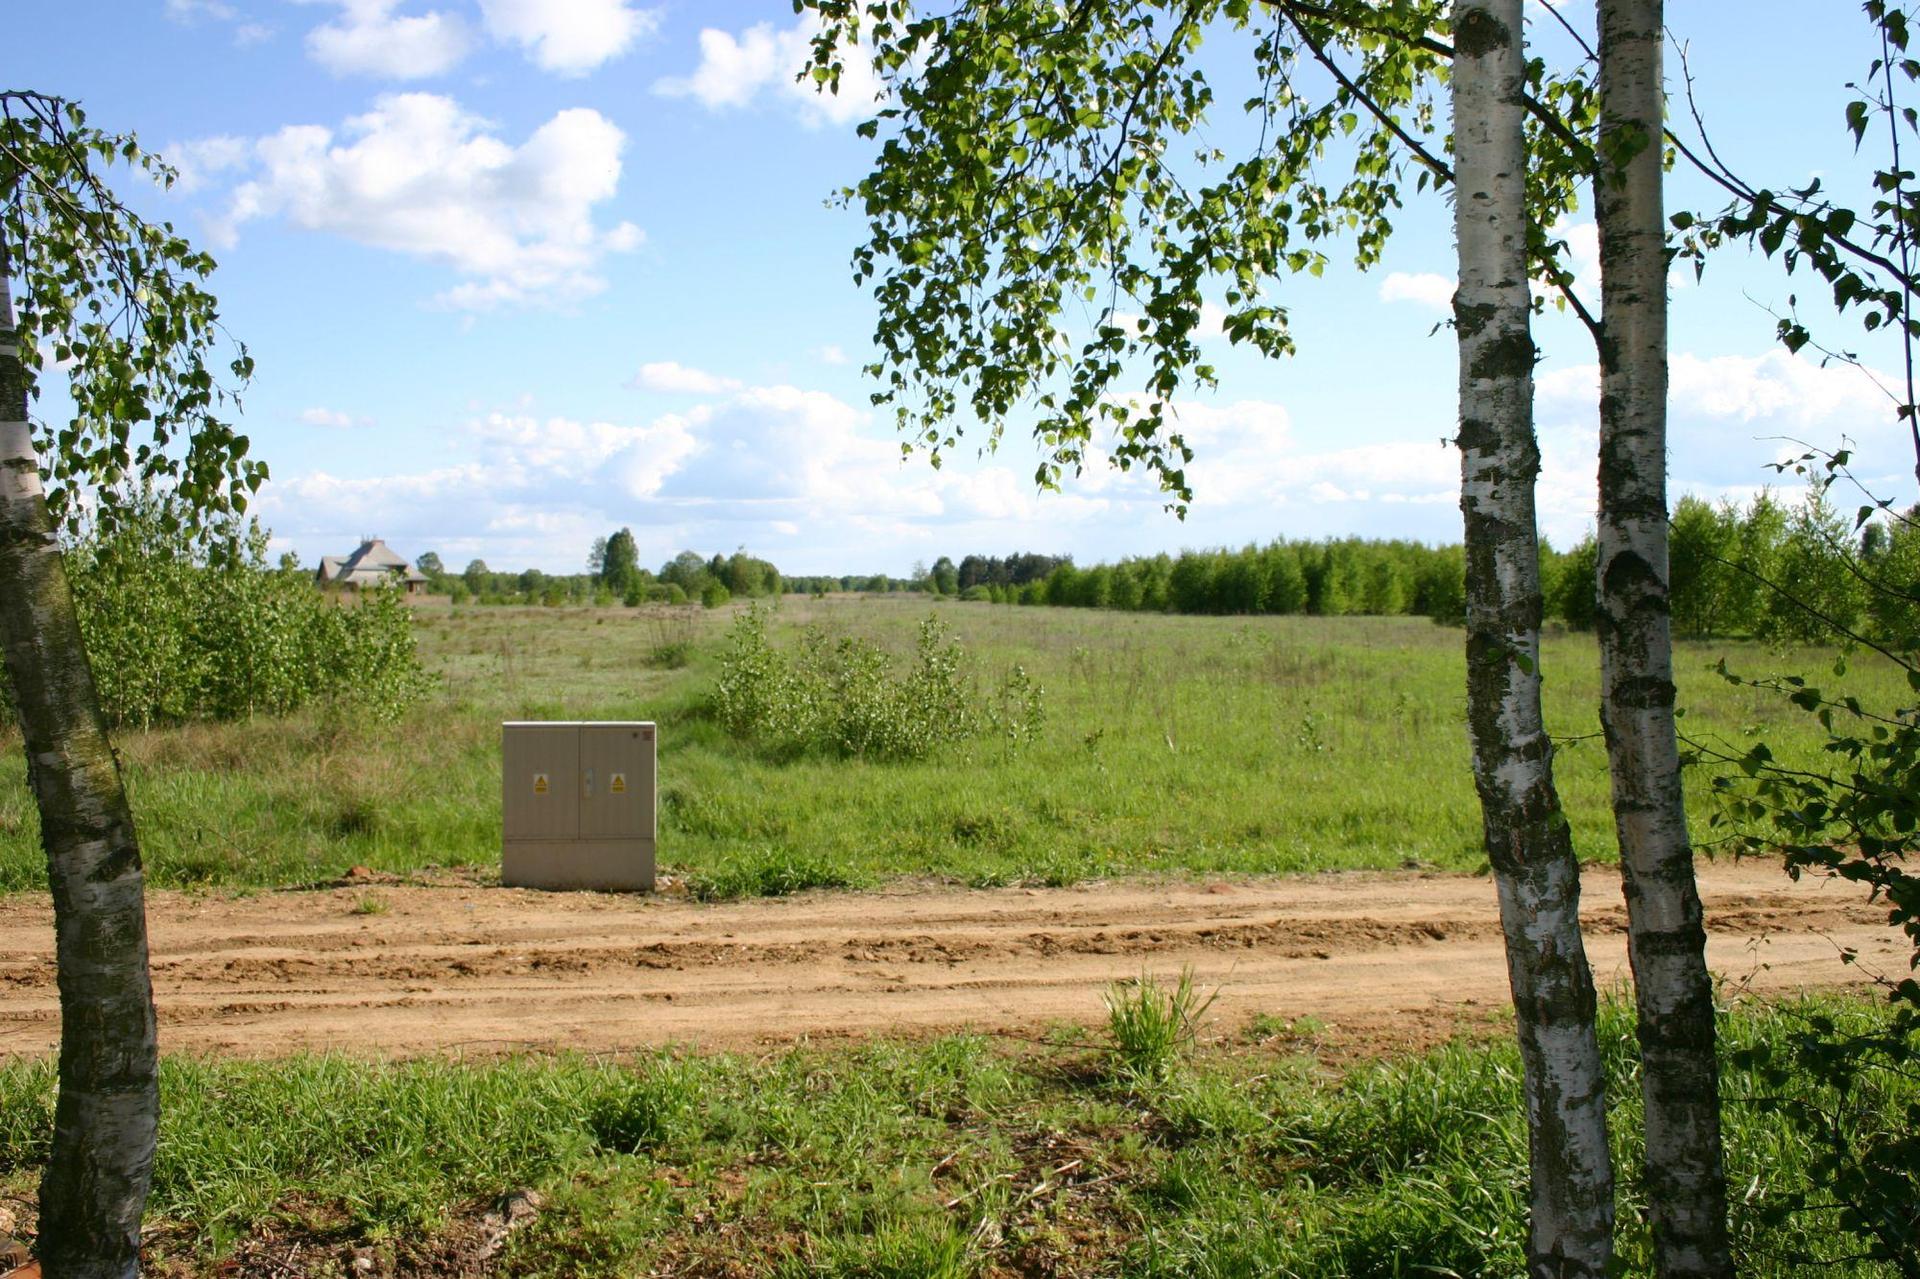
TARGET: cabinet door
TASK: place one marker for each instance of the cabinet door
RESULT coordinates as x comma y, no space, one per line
541,776
616,781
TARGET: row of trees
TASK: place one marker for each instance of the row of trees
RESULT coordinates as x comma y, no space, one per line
613,576
1788,573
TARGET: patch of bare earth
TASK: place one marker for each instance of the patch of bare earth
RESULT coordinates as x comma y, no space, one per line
1383,960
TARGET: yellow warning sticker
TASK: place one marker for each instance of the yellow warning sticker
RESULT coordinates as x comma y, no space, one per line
618,785
539,783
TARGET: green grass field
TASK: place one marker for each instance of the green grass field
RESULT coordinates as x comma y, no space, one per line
1173,745
957,1158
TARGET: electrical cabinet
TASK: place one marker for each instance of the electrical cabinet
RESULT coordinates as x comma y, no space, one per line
578,805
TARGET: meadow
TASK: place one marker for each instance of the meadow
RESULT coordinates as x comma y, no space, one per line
1172,745
1164,1143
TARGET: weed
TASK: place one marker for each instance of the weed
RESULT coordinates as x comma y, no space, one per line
371,905
1152,1026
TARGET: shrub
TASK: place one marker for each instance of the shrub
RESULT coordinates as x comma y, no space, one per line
845,698
174,637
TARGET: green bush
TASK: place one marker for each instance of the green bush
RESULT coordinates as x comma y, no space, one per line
174,637
845,698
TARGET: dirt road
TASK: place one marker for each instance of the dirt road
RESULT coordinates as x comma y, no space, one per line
1394,958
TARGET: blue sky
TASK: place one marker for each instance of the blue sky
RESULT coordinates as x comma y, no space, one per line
517,273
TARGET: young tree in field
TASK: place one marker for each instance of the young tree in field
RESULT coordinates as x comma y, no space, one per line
1666,937
119,302
1035,163
619,560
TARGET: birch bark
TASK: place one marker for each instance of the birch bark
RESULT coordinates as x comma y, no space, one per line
1527,839
1686,1181
95,1187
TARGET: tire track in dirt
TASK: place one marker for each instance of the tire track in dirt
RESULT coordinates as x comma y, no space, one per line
1398,958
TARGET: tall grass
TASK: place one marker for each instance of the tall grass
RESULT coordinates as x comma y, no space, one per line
1172,745
950,1157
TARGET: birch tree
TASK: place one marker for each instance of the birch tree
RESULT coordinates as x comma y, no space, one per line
116,302
1666,936
1527,837
1036,239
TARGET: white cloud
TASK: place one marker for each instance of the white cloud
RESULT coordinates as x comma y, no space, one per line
334,419
187,11
1435,292
734,70
569,37
369,38
200,160
420,176
675,378
192,12
1725,416
1777,389
831,354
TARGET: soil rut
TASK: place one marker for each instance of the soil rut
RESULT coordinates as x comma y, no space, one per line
1397,958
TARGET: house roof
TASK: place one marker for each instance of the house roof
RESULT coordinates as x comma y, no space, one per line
373,563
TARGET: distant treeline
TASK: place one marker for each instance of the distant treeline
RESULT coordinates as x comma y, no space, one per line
613,576
1762,569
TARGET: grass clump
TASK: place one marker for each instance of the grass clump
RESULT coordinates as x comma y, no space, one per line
1151,1026
768,872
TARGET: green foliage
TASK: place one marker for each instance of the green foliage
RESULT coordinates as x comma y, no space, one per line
714,594
1042,169
845,698
1854,817
173,639
1345,576
119,304
1572,593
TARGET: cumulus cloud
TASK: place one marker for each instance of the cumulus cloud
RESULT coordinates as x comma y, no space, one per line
419,175
188,11
1249,452
569,37
200,161
1726,419
369,38
735,70
678,379
1424,288
1776,390
334,419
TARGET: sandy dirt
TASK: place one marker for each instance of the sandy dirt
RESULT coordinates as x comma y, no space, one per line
1391,959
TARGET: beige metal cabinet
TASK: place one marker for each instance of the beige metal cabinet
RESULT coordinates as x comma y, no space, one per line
578,805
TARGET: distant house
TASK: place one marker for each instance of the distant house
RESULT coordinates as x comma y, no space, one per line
374,564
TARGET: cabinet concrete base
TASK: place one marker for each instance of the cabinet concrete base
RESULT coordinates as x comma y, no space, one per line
610,865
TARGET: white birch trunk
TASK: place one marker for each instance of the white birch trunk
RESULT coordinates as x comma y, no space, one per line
1527,840
95,1188
1686,1182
